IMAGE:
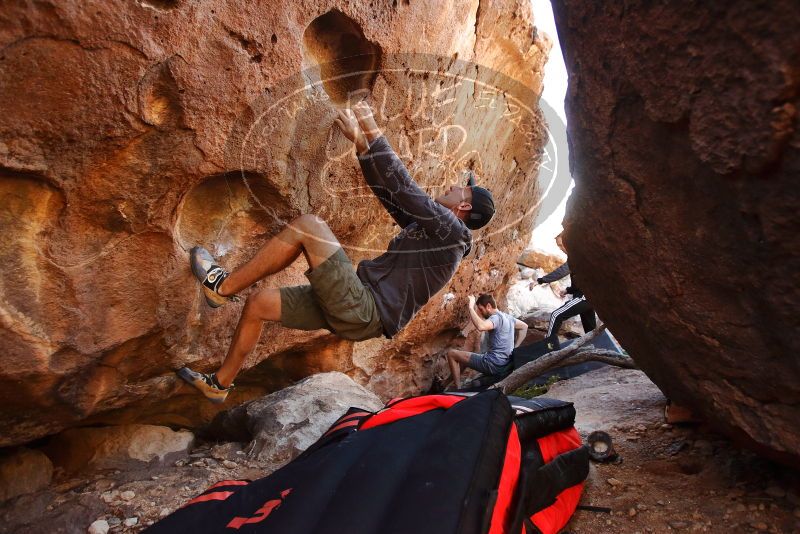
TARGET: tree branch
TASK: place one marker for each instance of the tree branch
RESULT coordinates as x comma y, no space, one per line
577,352
600,355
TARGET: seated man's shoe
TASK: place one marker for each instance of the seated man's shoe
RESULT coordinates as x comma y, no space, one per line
207,384
210,275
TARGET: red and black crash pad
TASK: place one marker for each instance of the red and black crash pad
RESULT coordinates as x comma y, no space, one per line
435,464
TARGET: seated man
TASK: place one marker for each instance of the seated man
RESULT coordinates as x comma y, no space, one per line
500,328
382,295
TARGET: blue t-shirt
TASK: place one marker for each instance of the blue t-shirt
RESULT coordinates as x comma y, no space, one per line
500,340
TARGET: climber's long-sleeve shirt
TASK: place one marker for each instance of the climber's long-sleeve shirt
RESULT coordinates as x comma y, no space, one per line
558,274
423,257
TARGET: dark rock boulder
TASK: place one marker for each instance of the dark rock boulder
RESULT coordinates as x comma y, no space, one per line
683,227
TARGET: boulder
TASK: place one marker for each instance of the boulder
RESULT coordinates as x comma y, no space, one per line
536,258
285,423
118,447
133,131
683,228
525,296
23,471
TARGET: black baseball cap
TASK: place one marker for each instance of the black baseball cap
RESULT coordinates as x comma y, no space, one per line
482,205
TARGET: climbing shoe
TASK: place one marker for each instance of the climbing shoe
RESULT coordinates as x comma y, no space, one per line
207,384
210,275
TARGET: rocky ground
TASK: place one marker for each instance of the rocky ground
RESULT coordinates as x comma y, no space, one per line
125,501
682,477
668,477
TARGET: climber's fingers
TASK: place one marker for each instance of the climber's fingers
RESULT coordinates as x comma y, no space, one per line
346,115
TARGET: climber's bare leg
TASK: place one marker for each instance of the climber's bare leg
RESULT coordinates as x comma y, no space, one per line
307,234
264,305
457,359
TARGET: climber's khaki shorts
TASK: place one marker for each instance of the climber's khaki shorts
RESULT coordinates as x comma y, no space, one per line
336,299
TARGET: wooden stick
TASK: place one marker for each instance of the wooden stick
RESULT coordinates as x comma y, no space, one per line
576,352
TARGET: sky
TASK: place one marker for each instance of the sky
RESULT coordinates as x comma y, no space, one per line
555,72
555,87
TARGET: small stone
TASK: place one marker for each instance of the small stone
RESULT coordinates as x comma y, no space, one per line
109,496
114,521
180,463
104,484
131,521
614,482
98,527
127,495
229,464
631,512
224,451
641,507
775,491
666,426
678,525
760,525
762,507
609,522
660,503
164,512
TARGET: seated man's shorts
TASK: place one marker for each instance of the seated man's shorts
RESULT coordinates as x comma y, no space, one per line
481,364
335,299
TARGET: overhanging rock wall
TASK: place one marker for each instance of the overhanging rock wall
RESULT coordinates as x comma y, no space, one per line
683,227
131,131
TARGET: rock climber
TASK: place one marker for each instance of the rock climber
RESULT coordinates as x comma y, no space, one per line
500,329
378,298
577,305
